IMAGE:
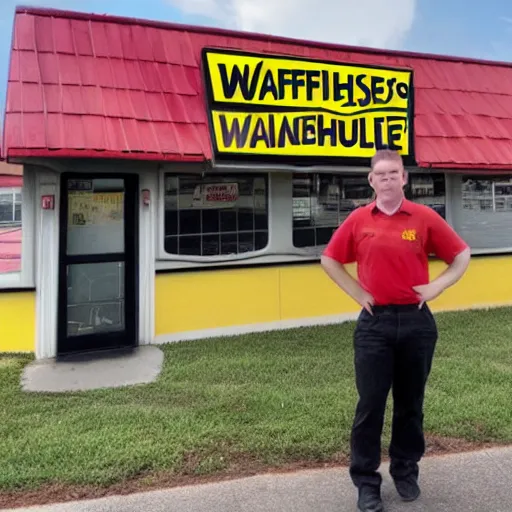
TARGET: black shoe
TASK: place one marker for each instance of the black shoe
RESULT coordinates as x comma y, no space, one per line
408,488
369,499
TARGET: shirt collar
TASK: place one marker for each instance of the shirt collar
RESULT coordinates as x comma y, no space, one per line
405,207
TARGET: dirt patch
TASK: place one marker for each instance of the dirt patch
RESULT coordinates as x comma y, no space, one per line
436,445
241,466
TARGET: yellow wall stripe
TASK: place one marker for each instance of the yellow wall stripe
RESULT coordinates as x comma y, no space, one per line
193,301
200,300
17,321
486,283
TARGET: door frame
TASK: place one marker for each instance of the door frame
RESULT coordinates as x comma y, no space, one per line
129,337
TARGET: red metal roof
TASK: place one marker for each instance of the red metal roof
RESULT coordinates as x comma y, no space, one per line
7,181
102,86
10,169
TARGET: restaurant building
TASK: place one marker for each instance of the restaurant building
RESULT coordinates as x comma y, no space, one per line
181,182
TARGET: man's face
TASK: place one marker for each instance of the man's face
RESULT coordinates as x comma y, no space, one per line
387,179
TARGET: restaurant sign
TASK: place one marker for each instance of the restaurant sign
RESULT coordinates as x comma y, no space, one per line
271,108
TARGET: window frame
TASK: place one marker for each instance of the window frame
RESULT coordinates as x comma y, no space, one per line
24,279
180,260
316,250
280,248
13,191
494,179
447,198
454,182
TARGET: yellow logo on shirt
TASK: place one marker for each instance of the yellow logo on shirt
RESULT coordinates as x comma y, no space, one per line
409,234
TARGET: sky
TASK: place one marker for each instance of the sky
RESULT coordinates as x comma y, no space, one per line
451,27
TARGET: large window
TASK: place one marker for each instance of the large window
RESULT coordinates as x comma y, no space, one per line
321,202
428,189
215,215
10,206
489,194
482,211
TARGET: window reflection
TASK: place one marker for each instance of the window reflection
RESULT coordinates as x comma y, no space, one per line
96,298
215,215
428,189
10,206
487,194
321,202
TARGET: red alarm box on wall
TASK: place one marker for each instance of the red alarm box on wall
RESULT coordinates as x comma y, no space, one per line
48,202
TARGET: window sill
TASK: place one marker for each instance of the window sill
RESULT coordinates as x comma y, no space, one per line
492,252
11,282
254,261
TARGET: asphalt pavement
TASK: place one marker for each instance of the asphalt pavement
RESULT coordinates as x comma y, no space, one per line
468,482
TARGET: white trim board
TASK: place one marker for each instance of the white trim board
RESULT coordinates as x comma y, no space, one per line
47,265
146,261
237,330
280,325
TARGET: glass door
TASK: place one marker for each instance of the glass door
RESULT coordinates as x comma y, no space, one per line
98,261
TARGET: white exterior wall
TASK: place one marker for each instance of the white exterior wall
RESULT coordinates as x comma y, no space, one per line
40,245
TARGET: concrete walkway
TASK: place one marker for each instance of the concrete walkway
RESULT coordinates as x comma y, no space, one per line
470,482
98,370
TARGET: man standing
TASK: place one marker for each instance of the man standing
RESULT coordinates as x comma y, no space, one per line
396,333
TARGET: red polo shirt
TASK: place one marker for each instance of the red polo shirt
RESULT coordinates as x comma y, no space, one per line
392,251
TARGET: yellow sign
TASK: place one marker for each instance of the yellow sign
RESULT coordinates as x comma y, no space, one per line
290,107
94,208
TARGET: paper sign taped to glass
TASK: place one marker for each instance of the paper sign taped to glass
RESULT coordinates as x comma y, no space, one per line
215,195
95,208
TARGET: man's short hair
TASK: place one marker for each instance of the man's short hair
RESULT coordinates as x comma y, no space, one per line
386,154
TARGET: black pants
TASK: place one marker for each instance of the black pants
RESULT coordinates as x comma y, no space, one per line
393,348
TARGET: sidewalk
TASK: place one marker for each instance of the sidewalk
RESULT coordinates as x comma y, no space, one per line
469,482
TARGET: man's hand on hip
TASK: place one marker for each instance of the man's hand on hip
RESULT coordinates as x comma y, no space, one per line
366,301
427,292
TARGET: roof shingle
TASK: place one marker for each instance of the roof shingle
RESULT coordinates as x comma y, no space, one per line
100,86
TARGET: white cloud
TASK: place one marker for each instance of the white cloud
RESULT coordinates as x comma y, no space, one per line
375,23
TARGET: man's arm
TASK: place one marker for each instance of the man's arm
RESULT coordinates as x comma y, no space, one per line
449,277
340,251
450,247
336,271
454,271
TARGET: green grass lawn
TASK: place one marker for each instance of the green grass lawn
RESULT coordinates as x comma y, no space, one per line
269,398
